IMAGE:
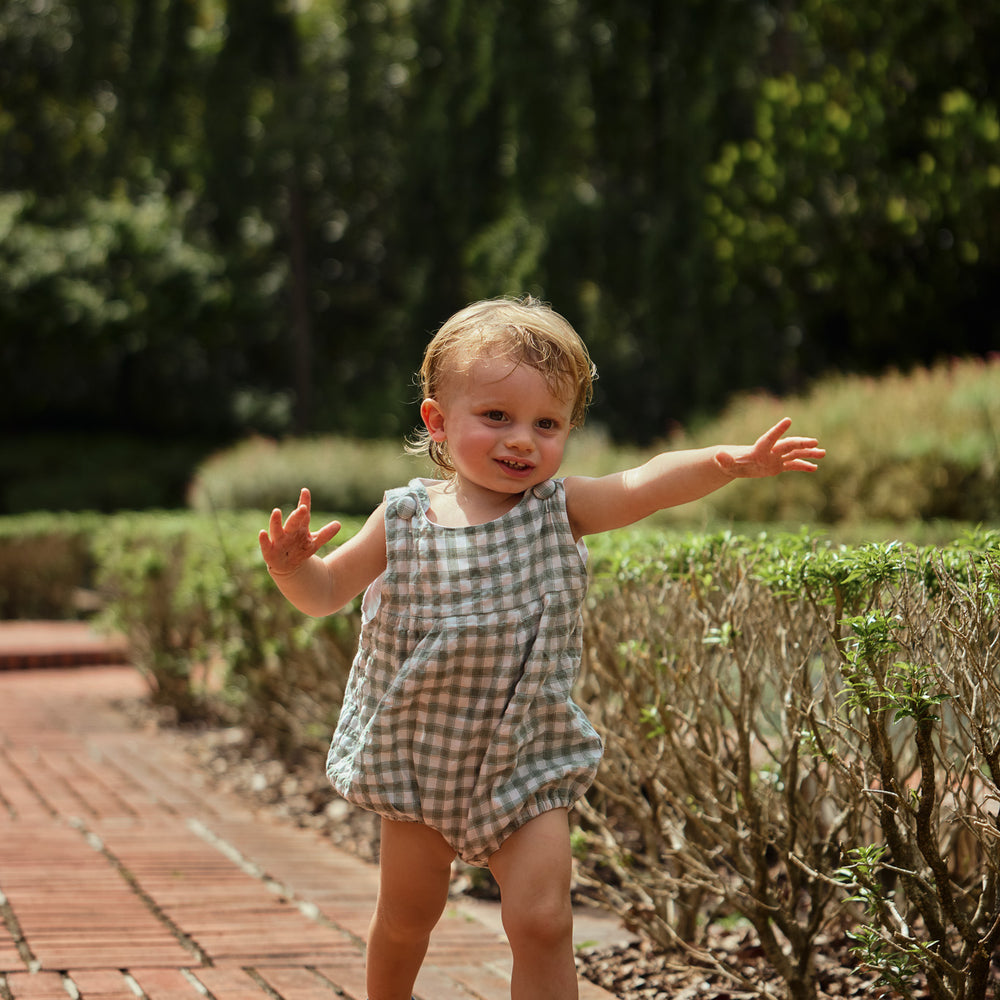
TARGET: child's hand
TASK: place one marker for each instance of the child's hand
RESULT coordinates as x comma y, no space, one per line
287,546
771,454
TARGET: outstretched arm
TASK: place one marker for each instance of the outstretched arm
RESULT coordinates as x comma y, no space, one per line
675,478
320,586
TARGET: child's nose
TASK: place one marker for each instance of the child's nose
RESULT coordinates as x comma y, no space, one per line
519,438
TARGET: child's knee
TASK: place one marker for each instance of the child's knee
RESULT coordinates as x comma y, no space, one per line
544,921
415,869
408,920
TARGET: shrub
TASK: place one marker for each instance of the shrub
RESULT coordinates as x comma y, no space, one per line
920,445
342,474
45,564
346,474
798,732
886,461
804,735
212,634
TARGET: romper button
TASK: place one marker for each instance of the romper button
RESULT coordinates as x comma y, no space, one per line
406,507
544,490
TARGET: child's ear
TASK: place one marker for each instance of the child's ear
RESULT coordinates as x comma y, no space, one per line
433,418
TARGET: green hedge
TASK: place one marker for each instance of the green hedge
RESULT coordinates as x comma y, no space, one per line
342,474
923,444
207,627
805,735
46,564
798,732
918,447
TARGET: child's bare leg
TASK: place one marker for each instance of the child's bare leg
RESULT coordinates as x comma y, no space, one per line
533,868
414,871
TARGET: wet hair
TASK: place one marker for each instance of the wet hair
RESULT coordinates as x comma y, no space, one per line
525,331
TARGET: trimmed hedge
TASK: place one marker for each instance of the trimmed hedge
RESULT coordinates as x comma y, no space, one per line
886,460
798,732
804,735
46,564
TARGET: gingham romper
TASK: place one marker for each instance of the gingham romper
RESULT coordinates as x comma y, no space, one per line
458,710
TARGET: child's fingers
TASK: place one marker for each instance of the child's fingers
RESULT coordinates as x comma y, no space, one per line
267,548
791,444
802,457
770,438
274,525
298,520
326,533
810,453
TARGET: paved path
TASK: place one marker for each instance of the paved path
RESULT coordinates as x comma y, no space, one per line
124,876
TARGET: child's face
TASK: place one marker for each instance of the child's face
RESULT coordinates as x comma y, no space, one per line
506,430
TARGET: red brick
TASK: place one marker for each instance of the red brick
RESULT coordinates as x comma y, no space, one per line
348,976
102,984
36,986
229,984
480,981
166,984
297,983
28,645
435,984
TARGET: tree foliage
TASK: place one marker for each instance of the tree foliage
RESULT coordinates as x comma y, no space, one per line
856,208
226,216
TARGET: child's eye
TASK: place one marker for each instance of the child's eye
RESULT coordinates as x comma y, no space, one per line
495,415
547,424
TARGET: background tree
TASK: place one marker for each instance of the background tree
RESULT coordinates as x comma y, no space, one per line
852,220
664,82
235,217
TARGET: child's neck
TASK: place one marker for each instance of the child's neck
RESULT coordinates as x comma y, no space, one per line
457,503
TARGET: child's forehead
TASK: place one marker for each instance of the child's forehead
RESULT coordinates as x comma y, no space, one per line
487,374
502,346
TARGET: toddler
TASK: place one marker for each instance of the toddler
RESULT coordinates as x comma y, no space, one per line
458,726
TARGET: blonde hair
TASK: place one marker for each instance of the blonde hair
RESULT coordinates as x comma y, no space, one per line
525,331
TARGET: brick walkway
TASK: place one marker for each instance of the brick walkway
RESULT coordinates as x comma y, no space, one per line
123,876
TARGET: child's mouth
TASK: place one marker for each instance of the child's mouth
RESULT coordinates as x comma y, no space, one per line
508,463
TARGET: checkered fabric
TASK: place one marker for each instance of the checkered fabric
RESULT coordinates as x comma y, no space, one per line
458,711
